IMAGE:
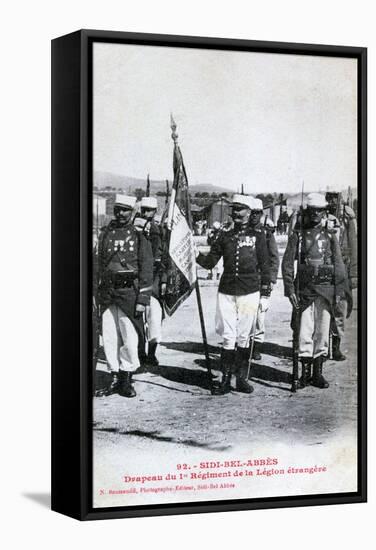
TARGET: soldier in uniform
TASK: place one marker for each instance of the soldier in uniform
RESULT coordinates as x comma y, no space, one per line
246,272
154,313
265,224
125,282
319,285
343,220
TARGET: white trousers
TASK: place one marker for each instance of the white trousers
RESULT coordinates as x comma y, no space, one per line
120,340
154,320
314,329
340,317
235,316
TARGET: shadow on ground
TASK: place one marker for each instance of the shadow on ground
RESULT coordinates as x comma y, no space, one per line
183,376
268,348
275,350
191,347
156,436
193,377
261,374
180,375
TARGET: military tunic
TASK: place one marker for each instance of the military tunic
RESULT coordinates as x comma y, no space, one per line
246,263
246,270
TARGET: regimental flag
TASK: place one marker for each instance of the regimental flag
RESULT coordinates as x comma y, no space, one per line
182,273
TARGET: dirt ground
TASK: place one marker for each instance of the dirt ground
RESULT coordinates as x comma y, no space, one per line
174,406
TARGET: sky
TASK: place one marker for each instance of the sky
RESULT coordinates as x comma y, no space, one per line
268,121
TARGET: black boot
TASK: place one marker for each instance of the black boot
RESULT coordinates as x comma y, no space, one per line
256,355
306,376
152,359
317,379
126,386
143,362
114,387
242,384
337,353
227,363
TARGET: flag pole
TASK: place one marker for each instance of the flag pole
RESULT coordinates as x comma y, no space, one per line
147,193
203,330
174,136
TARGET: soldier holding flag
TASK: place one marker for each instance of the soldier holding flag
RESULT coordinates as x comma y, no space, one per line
246,273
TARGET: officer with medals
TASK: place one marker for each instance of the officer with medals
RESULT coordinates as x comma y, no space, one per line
343,220
125,283
154,313
246,270
265,224
318,286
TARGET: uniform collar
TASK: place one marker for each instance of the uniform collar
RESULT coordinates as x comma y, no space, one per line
114,224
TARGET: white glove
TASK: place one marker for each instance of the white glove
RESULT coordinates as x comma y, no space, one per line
264,304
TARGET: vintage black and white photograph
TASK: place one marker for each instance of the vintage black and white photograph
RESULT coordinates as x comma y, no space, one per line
225,274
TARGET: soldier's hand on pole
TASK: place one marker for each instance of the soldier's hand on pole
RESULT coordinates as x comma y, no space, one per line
354,282
294,301
163,288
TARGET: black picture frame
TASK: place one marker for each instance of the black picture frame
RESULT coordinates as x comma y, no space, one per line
72,378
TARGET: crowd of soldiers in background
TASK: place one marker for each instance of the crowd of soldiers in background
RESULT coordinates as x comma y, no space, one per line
319,269
201,227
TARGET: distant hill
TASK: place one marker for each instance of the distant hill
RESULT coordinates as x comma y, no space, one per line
128,184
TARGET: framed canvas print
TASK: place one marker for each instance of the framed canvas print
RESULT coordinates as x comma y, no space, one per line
209,274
